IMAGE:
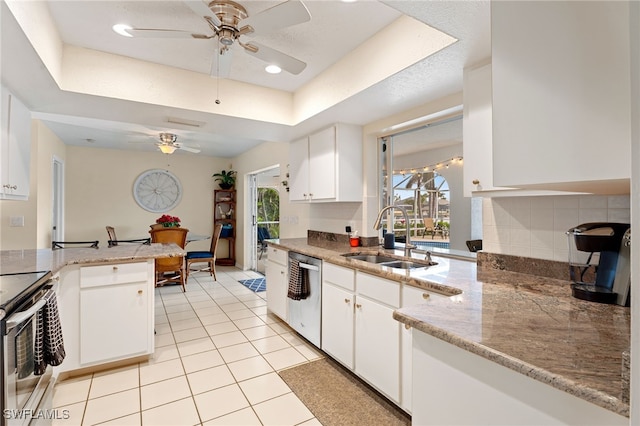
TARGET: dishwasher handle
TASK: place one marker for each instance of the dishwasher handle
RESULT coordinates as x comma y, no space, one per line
308,266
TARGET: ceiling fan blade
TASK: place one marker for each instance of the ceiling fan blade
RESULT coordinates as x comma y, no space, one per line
201,9
189,149
221,63
272,56
291,12
159,33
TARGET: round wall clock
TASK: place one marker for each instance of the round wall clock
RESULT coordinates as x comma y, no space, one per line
157,190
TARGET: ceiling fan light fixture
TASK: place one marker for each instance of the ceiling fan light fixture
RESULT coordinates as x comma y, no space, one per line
122,29
167,149
168,138
273,69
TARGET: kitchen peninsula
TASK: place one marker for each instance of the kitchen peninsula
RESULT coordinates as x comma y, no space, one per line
105,299
504,326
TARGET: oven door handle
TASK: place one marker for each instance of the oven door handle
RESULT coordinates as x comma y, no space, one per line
20,317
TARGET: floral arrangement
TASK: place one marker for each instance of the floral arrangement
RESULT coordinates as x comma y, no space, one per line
168,221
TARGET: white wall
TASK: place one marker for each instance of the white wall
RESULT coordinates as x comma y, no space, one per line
99,192
536,226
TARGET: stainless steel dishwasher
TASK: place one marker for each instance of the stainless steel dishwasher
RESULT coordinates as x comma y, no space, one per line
305,314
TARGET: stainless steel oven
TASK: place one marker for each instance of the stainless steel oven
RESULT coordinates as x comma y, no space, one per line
27,383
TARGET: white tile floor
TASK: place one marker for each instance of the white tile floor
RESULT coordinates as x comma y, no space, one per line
217,353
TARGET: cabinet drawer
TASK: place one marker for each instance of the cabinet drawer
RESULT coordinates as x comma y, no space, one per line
380,289
339,275
412,296
93,276
277,255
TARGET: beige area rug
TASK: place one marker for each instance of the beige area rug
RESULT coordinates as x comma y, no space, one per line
336,397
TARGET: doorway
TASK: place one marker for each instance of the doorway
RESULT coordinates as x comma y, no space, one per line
264,200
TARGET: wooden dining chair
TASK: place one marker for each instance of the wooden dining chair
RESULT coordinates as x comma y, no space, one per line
113,240
206,256
170,269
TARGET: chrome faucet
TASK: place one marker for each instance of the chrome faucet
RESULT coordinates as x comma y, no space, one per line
378,224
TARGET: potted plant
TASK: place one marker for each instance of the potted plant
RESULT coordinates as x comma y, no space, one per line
226,179
168,221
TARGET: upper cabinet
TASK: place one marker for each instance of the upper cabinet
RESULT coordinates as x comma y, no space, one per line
561,96
15,149
477,131
327,165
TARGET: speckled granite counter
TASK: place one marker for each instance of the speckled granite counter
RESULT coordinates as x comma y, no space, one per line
526,323
14,261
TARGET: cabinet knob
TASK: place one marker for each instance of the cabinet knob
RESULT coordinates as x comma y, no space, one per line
139,292
475,182
407,327
425,296
282,272
115,268
358,305
347,300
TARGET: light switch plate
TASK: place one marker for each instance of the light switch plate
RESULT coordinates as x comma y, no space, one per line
16,221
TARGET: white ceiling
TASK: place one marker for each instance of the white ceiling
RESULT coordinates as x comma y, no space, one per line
335,30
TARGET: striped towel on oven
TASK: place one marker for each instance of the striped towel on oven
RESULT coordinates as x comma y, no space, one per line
298,281
49,346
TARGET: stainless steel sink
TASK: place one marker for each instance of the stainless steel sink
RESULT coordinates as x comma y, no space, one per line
401,264
371,258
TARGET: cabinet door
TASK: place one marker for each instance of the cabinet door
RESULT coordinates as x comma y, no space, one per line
299,170
477,131
322,165
337,323
114,322
277,289
16,147
561,97
378,347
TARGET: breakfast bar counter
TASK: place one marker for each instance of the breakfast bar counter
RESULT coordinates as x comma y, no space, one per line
17,261
526,323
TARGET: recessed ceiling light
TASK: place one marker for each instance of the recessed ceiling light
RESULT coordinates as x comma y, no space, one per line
122,29
273,69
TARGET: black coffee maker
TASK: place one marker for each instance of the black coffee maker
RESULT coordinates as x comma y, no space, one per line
599,262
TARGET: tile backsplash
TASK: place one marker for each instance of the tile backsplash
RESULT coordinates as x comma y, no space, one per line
536,226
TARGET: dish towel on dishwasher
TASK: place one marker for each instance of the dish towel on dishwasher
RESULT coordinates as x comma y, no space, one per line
298,281
49,346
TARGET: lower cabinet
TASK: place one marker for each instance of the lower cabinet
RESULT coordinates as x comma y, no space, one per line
453,386
358,329
411,296
106,313
338,301
377,334
276,272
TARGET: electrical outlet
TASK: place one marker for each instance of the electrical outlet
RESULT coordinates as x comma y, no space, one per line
347,229
17,221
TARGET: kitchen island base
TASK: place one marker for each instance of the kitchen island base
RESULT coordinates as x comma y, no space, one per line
452,386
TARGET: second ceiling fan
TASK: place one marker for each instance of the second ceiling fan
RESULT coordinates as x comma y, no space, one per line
229,21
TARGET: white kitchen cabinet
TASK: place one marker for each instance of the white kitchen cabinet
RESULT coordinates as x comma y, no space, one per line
276,272
338,300
116,312
411,296
15,149
477,130
561,96
377,334
327,165
453,386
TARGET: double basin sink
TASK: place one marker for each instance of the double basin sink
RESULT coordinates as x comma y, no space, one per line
388,261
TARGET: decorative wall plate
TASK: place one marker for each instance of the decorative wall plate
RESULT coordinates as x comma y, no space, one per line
157,190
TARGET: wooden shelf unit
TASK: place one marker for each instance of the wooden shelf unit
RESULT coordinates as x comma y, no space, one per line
224,212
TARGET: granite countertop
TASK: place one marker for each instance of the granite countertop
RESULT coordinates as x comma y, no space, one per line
15,261
527,323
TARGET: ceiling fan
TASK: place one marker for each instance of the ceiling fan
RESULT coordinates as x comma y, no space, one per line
229,21
169,143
